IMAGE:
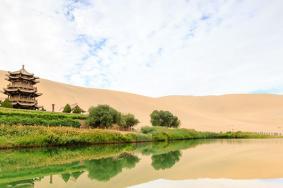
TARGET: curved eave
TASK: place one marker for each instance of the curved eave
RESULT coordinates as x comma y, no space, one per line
33,93
19,89
24,104
35,79
23,72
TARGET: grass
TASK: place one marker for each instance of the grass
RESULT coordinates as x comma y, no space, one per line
39,114
40,136
169,134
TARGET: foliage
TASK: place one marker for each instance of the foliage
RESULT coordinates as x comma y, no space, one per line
39,114
22,120
167,134
30,136
77,110
128,121
6,104
67,109
103,116
164,119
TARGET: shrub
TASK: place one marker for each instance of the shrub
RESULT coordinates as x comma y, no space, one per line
6,104
67,109
22,120
103,116
39,114
128,121
77,110
164,119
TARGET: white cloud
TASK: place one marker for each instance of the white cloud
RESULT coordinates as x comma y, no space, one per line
149,47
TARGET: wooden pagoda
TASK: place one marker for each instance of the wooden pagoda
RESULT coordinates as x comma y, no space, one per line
21,90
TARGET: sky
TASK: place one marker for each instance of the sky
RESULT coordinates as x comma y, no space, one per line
148,47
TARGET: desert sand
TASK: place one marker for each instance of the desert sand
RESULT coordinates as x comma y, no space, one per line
246,112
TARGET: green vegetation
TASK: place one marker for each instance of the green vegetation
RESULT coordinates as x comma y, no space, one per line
6,104
31,117
39,136
77,110
40,114
168,134
164,119
67,109
103,116
128,121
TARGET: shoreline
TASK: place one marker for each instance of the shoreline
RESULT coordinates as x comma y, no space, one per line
17,137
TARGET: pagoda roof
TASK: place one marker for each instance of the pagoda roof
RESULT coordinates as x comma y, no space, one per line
10,90
21,77
24,104
22,71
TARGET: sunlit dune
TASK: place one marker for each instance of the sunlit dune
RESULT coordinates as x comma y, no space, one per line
249,112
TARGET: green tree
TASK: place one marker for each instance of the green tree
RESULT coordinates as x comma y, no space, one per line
128,121
103,116
67,109
164,119
77,110
6,104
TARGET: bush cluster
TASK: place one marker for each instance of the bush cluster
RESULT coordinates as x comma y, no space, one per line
104,116
168,134
75,110
30,136
164,119
6,104
39,114
21,120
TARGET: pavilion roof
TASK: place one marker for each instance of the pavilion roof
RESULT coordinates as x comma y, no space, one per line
22,71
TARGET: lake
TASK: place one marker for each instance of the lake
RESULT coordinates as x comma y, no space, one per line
198,163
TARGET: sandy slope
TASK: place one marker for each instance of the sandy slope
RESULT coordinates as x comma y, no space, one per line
228,112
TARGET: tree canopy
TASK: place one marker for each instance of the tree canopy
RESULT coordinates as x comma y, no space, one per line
67,109
164,119
103,116
77,110
128,121
6,104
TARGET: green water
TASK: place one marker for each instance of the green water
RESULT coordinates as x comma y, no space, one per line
143,164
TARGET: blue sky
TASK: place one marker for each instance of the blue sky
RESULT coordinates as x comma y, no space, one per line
149,47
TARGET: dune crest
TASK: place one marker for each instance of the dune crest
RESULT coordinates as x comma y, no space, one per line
247,112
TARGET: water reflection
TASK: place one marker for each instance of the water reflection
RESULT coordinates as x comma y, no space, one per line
166,160
109,165
101,163
106,168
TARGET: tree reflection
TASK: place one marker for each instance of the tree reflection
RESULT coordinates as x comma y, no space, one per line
106,168
165,160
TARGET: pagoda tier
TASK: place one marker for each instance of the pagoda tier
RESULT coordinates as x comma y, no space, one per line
21,78
21,90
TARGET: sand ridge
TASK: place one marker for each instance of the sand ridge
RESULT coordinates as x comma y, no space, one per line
248,112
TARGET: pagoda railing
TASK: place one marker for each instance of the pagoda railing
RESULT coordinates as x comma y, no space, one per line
23,86
22,99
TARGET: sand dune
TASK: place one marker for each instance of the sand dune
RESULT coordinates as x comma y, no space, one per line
248,112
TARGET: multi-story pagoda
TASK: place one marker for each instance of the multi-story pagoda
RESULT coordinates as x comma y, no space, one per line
22,91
